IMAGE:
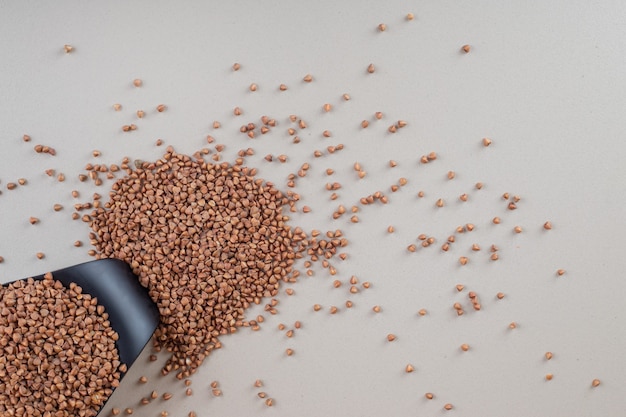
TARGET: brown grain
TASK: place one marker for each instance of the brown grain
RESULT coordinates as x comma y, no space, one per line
42,358
206,240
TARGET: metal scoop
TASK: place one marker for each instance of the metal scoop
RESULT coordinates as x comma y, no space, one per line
132,313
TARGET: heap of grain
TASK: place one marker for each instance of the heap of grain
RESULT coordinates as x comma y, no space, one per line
206,240
58,350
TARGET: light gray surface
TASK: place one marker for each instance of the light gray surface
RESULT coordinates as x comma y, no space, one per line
544,80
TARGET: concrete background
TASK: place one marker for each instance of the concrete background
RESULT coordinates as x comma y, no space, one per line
543,80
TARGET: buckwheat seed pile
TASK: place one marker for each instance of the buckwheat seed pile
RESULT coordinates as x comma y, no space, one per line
58,351
206,240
